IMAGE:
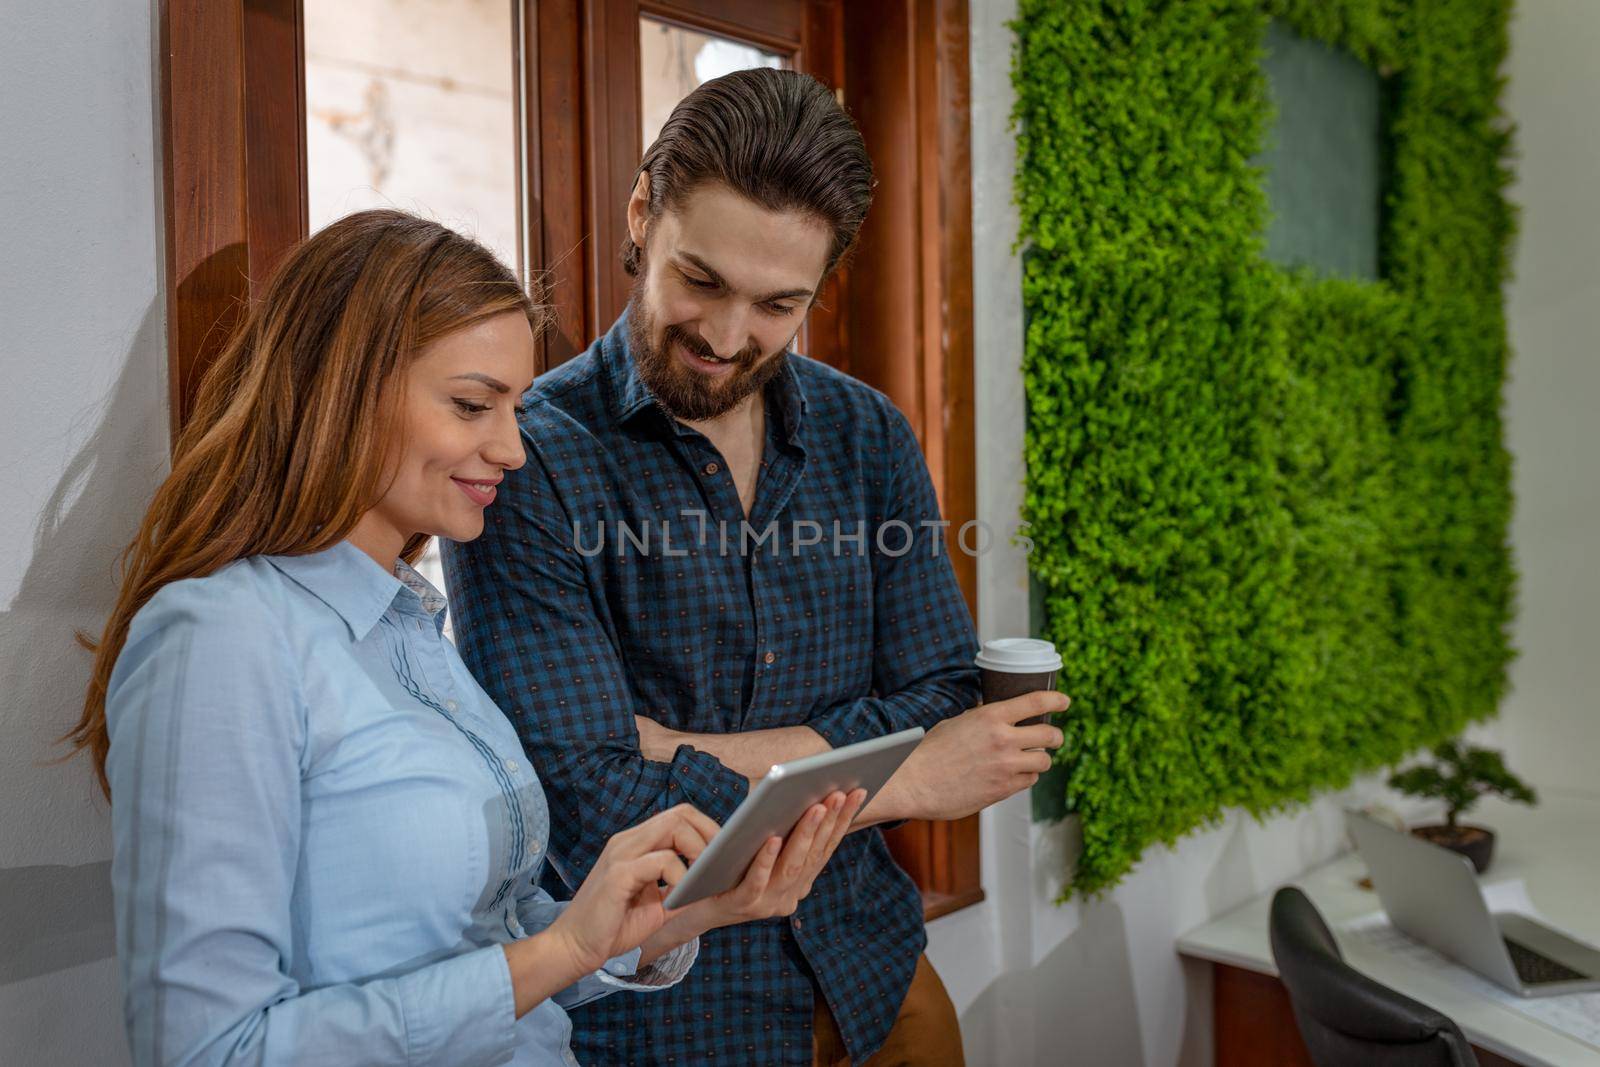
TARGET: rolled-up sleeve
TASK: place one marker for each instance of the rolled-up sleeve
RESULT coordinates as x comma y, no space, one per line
207,738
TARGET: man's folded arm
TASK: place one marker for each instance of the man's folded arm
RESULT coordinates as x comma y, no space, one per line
753,752
528,626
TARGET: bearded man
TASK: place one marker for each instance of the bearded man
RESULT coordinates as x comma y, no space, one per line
731,556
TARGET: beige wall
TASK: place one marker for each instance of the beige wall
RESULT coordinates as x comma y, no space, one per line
1552,422
83,434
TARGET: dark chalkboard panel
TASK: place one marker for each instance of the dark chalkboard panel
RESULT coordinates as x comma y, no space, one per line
1323,157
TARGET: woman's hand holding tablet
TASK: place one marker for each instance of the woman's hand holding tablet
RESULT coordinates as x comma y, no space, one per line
618,906
782,873
621,900
762,864
775,882
777,807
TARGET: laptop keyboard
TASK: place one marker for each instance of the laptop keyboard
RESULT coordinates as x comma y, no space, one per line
1536,969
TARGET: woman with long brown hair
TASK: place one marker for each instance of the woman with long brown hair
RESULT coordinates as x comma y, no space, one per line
328,840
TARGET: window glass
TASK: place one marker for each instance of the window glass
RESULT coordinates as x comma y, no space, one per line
411,104
673,61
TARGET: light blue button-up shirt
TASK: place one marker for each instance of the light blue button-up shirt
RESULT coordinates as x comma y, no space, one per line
325,830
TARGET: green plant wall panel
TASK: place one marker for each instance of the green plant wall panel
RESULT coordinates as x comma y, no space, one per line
1269,507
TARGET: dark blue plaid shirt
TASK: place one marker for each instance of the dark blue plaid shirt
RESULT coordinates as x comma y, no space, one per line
614,578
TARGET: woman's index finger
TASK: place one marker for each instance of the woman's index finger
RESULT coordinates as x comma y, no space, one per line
701,821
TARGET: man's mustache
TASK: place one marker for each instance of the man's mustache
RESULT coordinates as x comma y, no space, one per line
697,345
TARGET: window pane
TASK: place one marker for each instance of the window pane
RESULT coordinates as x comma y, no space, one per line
410,104
673,61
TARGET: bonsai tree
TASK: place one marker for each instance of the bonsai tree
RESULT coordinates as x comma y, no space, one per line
1462,777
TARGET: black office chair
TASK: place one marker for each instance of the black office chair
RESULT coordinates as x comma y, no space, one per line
1346,1018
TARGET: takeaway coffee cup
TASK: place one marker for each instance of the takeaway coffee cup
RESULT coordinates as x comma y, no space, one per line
1012,666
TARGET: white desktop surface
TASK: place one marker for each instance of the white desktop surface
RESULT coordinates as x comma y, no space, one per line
1554,848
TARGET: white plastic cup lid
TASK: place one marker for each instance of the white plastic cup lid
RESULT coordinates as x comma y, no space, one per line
1018,655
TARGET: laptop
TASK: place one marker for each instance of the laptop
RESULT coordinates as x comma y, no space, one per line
1432,894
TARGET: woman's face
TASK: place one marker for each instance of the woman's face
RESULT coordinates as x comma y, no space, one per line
460,435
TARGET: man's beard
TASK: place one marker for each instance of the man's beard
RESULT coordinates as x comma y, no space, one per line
686,395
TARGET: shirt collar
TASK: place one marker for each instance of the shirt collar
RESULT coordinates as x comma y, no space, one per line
347,580
790,402
628,394
434,603
629,397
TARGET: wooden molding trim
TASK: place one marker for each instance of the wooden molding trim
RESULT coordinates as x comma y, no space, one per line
908,317
611,145
233,168
557,231
775,25
947,225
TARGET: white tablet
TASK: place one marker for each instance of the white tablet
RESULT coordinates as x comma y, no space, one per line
775,805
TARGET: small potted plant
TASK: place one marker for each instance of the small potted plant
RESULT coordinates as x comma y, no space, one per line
1462,776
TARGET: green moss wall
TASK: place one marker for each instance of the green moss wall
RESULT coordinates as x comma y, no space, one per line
1269,509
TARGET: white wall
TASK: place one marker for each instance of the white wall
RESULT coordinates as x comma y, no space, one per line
1553,308
83,428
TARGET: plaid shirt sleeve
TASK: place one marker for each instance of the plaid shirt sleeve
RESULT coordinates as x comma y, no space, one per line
530,628
923,643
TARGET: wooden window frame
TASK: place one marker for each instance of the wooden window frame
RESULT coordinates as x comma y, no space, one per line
233,168
235,199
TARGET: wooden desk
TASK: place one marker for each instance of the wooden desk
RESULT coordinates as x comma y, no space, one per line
1551,847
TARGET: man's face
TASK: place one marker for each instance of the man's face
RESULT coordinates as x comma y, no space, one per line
723,287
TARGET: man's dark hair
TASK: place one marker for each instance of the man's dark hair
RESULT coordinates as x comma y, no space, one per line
777,137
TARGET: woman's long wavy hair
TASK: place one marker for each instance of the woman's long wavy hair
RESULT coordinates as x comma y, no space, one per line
295,427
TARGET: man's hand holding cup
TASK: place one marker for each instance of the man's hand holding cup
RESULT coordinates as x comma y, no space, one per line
984,755
975,759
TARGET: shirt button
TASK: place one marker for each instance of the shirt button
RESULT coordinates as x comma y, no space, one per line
795,922
711,468
451,705
770,657
511,765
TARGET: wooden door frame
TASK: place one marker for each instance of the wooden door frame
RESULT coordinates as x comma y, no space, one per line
235,200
